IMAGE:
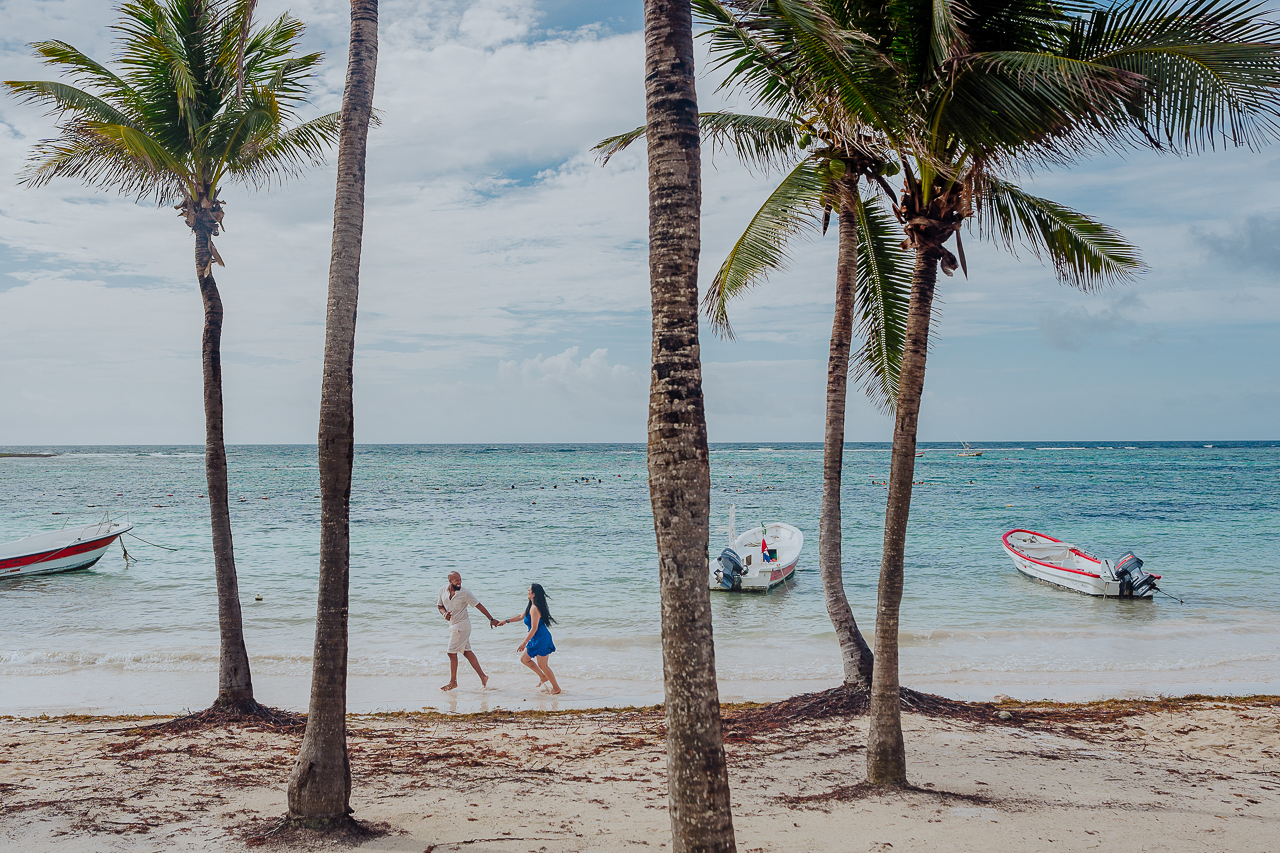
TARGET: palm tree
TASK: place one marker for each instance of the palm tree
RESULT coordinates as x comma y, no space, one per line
826,143
320,784
179,120
808,63
679,468
1001,86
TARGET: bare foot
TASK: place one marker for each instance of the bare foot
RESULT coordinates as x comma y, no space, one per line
484,681
555,692
452,685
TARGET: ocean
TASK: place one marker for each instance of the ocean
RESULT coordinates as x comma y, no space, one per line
142,637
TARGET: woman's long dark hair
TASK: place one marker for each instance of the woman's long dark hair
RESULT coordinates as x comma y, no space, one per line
539,599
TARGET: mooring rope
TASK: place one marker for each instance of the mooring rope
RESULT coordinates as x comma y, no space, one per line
152,544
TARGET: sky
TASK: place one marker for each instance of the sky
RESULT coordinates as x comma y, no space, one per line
504,291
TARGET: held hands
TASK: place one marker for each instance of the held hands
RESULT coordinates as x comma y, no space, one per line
494,623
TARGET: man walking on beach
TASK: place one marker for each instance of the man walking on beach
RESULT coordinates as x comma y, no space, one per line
453,602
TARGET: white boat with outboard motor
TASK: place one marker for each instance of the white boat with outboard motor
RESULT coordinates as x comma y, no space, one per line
759,559
65,550
1063,564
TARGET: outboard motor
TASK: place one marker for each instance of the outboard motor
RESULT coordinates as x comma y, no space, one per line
1134,582
731,571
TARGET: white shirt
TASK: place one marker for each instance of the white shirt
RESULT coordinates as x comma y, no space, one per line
456,606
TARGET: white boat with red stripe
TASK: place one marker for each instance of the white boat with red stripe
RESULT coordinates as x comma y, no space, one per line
1063,564
66,550
760,559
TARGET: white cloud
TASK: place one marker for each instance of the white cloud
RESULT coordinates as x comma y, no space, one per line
591,376
493,235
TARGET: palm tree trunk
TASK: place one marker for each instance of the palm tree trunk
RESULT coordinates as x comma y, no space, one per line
679,467
886,754
320,784
235,686
854,651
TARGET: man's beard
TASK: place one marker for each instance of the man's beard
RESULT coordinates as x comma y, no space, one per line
455,586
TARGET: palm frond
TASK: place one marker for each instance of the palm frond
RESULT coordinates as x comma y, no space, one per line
883,296
61,98
762,249
171,118
606,148
793,59
1035,106
145,148
86,71
760,141
1212,68
275,158
82,153
242,12
946,38
1084,252
153,45
288,80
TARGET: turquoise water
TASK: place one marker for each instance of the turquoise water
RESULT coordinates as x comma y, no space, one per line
143,636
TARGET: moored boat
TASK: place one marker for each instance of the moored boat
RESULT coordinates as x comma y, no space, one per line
968,451
758,560
65,550
1063,564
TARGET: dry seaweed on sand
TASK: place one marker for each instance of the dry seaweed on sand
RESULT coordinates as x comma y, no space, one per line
744,722
1081,719
596,779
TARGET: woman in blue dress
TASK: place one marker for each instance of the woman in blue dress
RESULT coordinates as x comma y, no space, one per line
537,644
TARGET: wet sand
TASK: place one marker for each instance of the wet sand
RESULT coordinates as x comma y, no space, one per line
1177,775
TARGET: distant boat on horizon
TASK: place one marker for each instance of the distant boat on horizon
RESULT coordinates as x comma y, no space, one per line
968,451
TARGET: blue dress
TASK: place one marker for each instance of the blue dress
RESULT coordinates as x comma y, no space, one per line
541,644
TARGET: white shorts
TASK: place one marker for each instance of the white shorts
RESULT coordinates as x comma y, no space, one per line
460,638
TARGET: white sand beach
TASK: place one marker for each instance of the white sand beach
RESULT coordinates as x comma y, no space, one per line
1184,775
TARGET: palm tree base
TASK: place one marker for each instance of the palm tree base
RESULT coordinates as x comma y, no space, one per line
226,712
294,830
844,701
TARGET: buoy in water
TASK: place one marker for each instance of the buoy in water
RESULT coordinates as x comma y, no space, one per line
257,598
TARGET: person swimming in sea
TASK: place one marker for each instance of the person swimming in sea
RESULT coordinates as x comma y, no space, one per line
537,645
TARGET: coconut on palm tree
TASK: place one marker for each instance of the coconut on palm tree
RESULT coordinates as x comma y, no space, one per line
823,134
185,115
320,784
